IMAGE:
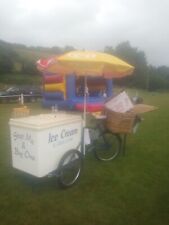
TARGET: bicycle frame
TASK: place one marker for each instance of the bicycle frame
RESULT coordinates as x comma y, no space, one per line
98,127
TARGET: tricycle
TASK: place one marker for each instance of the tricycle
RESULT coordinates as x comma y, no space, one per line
54,144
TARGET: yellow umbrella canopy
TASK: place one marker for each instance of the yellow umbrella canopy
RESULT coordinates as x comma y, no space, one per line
84,63
94,64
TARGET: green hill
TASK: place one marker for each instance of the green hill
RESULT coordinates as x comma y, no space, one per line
18,62
19,54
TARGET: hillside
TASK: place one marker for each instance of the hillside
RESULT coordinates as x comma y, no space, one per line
18,62
20,58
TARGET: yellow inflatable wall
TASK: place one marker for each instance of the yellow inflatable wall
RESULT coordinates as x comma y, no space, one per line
56,87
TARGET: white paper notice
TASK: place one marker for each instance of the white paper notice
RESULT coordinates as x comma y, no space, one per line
121,103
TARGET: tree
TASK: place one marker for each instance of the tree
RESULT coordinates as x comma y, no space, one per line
134,57
29,68
7,58
68,48
109,50
158,78
56,50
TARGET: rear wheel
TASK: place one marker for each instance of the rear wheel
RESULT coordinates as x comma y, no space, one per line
107,147
70,168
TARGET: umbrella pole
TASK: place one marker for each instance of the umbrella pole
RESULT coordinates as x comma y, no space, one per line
85,99
84,112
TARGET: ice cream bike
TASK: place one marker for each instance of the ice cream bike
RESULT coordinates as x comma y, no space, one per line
54,144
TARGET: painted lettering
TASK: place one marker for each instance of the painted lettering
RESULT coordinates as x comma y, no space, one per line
52,137
67,133
18,136
29,156
18,152
29,138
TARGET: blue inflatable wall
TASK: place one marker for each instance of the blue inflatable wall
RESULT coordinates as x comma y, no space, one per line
71,100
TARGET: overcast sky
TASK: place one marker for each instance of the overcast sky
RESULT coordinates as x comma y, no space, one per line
89,24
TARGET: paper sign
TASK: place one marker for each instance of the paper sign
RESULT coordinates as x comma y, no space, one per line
121,103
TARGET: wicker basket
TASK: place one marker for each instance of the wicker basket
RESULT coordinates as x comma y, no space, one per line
120,122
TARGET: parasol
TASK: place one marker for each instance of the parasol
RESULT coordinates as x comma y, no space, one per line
92,63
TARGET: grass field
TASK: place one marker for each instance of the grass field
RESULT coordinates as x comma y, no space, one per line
131,190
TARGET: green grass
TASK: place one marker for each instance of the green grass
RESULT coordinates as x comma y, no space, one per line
131,190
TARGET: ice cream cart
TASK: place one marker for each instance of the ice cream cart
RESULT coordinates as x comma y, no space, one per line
48,143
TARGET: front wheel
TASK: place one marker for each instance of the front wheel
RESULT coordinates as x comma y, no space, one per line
70,167
107,147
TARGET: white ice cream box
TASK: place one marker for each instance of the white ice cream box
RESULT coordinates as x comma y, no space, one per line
38,142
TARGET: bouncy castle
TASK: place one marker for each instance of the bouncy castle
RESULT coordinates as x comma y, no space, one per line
67,92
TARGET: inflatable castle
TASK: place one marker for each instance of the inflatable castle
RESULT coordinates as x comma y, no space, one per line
67,92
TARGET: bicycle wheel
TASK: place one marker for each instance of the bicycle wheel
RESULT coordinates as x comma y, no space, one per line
107,147
70,168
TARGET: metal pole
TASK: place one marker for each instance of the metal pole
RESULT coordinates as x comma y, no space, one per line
84,112
22,99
